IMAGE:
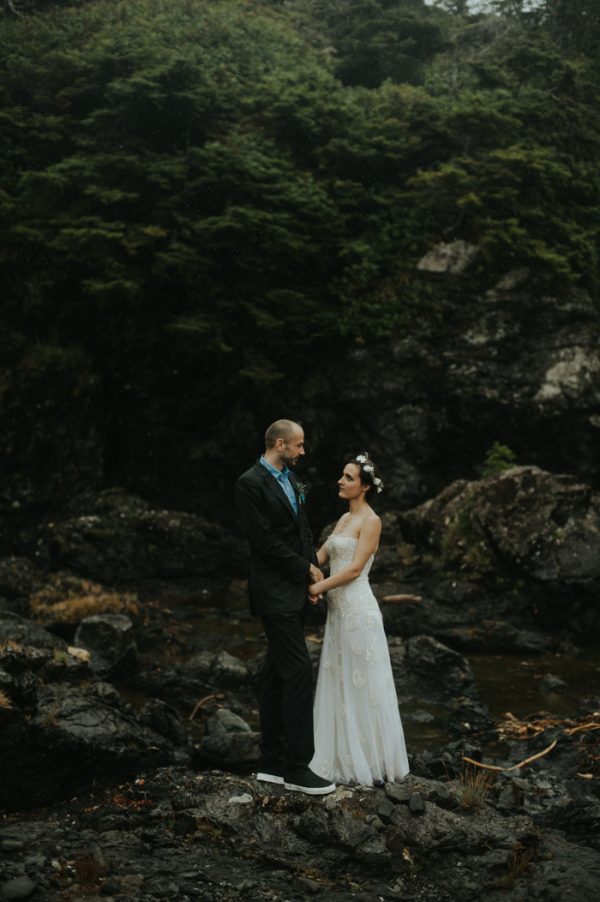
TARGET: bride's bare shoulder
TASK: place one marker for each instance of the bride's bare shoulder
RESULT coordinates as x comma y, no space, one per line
339,526
371,522
372,517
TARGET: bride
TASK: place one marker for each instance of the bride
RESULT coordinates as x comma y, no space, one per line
358,732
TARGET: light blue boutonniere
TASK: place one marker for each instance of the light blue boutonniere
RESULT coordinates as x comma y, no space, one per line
301,489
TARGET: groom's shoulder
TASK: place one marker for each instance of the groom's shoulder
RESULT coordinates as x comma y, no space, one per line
252,474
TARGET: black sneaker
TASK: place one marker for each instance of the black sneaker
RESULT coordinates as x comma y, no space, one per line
270,773
303,780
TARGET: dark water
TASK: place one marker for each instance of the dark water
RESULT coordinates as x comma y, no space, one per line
514,683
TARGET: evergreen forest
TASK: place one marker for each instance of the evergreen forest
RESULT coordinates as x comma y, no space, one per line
201,201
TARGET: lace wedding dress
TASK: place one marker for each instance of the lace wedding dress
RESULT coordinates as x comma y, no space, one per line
358,732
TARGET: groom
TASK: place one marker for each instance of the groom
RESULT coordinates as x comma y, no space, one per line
282,564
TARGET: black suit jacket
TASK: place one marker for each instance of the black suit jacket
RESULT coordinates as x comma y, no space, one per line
281,543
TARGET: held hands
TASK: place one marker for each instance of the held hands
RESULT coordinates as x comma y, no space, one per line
315,575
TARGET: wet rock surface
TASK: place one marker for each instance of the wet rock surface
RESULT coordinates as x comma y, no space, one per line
509,563
177,833
128,722
430,404
115,536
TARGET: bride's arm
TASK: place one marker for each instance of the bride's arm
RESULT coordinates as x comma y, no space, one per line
368,541
322,555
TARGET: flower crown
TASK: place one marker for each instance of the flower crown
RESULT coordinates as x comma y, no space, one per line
367,466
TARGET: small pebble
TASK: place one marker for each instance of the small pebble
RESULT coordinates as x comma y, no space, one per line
244,799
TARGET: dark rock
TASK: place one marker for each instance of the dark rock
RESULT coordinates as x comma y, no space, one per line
436,665
224,721
221,668
25,632
232,749
416,803
18,576
12,845
467,717
398,792
227,668
18,888
313,825
70,740
220,837
120,537
110,639
373,851
229,739
543,525
550,683
311,886
162,718
434,400
385,811
348,830
497,637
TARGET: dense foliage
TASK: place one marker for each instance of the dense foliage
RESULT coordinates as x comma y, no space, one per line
198,200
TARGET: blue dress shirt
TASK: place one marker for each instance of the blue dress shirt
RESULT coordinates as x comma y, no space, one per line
283,478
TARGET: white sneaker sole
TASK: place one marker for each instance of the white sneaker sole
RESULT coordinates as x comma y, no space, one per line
311,790
269,778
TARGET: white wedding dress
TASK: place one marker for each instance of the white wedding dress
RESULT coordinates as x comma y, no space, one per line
358,731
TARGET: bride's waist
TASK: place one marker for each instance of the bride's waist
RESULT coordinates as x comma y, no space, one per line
352,593
362,578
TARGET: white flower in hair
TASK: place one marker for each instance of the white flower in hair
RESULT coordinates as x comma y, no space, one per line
362,458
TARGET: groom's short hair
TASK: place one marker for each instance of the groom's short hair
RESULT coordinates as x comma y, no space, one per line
279,429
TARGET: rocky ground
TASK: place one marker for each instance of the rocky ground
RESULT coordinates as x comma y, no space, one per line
128,724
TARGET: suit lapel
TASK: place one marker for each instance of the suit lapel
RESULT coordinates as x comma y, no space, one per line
277,490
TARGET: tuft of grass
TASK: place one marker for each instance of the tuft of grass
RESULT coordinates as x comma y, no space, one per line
520,861
71,601
474,786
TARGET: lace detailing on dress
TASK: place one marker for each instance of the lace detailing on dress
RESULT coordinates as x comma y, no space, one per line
358,732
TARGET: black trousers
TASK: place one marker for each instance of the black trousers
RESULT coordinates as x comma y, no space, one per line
285,693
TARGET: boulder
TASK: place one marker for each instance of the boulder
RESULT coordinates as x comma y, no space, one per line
68,738
121,537
529,539
430,403
229,740
110,640
20,631
438,667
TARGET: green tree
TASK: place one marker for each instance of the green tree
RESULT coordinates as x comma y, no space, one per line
375,40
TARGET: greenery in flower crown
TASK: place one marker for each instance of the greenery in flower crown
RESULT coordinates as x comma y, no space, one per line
367,466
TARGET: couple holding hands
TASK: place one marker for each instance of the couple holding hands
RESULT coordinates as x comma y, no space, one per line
354,733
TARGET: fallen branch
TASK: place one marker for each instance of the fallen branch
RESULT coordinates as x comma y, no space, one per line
204,701
402,598
483,766
582,727
496,767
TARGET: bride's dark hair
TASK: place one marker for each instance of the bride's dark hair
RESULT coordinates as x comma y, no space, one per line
367,470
